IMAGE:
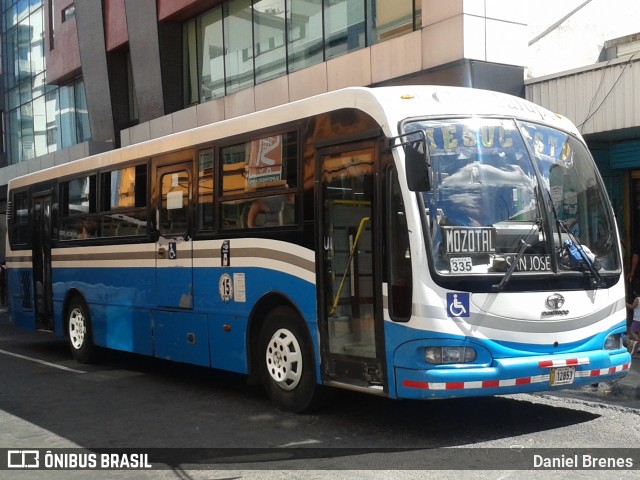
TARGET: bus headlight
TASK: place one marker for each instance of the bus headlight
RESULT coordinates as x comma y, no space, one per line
613,342
445,355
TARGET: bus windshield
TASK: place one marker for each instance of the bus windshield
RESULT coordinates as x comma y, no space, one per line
514,197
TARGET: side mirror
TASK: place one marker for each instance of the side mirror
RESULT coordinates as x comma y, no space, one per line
417,160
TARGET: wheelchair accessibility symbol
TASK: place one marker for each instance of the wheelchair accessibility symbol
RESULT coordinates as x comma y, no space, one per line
458,304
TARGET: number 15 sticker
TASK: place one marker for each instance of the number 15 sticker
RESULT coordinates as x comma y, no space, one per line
225,287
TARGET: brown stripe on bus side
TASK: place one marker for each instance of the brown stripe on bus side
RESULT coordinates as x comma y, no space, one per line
21,258
260,253
104,256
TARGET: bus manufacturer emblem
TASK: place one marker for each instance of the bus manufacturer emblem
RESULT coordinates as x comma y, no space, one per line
554,302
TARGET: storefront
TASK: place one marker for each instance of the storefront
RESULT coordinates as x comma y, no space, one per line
602,101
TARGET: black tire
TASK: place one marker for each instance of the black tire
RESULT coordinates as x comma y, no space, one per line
79,332
287,362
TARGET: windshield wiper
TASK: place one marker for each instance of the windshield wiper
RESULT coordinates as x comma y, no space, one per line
524,244
575,252
577,256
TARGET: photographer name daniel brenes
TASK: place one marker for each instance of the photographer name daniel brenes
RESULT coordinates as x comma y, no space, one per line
583,461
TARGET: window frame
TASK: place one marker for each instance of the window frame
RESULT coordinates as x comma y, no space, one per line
98,213
243,198
104,195
65,219
27,226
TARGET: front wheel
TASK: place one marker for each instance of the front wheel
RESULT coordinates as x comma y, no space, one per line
79,332
287,364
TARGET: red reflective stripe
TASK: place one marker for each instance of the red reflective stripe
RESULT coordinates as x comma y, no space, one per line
454,386
490,383
415,384
559,363
518,381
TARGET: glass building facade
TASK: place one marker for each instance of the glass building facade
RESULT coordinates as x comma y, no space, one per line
236,45
37,118
242,43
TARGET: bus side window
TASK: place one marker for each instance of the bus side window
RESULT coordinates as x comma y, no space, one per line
258,181
19,233
78,207
269,211
275,210
123,202
398,253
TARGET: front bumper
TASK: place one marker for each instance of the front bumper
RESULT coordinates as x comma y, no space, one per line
509,376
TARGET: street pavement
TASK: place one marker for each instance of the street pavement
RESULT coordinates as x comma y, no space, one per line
627,387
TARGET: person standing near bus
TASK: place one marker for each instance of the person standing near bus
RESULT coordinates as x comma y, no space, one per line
631,278
634,330
635,257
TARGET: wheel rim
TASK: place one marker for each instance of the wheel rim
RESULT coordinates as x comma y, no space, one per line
77,328
284,359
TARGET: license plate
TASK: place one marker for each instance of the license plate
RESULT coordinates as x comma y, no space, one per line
562,376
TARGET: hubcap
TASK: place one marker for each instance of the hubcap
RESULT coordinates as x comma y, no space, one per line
284,359
77,328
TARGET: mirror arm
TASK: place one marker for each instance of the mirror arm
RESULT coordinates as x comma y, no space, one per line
417,160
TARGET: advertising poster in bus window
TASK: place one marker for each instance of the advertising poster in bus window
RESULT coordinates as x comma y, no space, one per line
265,161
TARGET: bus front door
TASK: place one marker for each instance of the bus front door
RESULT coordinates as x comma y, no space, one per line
174,257
350,324
41,239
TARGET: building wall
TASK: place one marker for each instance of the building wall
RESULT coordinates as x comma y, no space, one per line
459,42
180,10
115,19
38,116
457,38
62,52
601,100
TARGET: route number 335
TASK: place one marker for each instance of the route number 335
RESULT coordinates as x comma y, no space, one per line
461,264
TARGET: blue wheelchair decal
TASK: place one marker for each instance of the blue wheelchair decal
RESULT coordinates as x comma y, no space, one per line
458,304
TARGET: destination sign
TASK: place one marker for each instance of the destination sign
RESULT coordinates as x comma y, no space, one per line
469,240
531,263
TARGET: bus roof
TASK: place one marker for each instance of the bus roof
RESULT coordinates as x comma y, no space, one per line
387,105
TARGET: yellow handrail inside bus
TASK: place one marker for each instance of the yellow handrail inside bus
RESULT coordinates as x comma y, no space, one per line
344,276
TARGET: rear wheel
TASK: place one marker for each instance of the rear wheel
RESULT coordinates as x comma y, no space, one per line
79,332
287,364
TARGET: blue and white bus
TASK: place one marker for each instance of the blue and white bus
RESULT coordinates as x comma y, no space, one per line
410,242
